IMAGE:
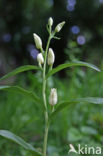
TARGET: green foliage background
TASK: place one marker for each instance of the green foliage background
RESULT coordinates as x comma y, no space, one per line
81,123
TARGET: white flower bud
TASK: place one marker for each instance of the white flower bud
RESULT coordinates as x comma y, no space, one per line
50,21
59,26
38,41
51,57
40,59
53,97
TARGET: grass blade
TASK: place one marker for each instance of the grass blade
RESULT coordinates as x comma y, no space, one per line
71,64
19,70
20,90
93,100
11,136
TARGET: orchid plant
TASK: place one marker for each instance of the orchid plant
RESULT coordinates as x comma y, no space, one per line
46,59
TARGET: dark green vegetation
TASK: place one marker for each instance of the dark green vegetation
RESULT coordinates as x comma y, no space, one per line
19,20
78,123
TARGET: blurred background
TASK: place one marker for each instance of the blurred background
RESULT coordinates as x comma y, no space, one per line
81,39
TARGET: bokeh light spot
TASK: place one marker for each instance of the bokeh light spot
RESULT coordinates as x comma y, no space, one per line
101,1
81,40
7,37
33,51
70,8
75,29
71,2
71,5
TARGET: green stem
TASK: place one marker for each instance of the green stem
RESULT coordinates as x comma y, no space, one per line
44,99
46,134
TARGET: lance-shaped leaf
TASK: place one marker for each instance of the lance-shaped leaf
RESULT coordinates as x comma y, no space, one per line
19,70
20,90
71,64
65,104
9,135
